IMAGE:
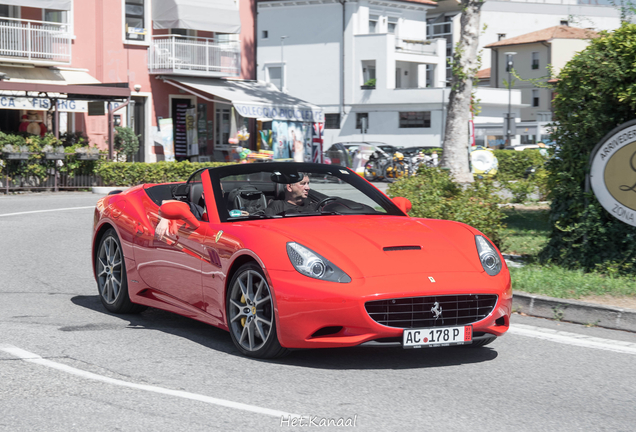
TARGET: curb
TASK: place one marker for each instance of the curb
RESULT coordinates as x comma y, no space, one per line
105,190
574,311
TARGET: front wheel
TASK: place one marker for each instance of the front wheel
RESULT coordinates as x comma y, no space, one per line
370,171
250,314
112,283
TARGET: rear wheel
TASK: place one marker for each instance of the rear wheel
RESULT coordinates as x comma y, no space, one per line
250,314
112,283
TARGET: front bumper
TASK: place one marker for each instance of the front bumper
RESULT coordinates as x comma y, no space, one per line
317,314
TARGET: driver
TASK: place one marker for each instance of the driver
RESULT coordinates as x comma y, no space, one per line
296,199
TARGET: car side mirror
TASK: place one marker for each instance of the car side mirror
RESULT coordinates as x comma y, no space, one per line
403,204
177,210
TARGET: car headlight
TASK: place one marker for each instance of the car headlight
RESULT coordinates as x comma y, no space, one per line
311,264
488,256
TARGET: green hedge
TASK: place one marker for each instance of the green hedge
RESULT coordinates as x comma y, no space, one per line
512,174
513,164
130,174
433,194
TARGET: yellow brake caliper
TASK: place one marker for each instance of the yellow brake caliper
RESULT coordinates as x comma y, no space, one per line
244,302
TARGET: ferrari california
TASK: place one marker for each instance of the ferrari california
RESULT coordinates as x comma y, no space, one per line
294,256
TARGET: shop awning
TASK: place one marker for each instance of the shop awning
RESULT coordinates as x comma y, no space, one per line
221,16
252,99
43,4
43,75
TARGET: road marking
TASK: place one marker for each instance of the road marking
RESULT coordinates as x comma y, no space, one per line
34,358
573,339
44,211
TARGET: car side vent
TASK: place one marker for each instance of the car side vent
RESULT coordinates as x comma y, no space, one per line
401,248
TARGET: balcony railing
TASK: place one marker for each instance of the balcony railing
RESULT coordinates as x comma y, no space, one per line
415,46
35,41
184,55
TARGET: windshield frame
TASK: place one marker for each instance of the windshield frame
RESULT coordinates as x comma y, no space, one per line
343,173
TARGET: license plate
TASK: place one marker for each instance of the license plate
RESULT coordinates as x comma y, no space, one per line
437,337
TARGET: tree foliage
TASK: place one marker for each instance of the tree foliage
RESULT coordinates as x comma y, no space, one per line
596,92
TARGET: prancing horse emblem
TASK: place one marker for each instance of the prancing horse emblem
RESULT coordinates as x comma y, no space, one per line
436,310
218,236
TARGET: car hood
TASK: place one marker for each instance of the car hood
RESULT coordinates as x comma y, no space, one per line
368,246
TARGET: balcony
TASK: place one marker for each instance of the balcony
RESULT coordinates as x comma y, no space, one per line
37,42
194,56
415,46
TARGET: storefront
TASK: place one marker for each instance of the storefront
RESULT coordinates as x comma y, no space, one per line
237,116
38,100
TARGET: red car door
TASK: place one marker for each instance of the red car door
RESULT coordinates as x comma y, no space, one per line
173,264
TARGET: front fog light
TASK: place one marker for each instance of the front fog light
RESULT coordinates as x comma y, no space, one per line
309,263
488,256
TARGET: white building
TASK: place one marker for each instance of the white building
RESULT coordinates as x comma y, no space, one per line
505,20
363,61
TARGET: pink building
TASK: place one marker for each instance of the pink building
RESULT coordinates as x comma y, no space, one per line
181,60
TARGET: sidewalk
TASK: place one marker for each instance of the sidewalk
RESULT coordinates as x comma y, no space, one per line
574,311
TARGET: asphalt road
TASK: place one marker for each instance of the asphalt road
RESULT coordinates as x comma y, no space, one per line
68,365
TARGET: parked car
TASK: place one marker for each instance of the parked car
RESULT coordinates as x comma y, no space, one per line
353,269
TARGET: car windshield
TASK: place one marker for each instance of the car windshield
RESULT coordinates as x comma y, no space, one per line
283,190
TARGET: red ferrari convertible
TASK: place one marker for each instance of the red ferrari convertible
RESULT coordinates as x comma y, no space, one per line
290,255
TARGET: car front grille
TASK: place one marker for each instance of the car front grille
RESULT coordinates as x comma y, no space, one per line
416,312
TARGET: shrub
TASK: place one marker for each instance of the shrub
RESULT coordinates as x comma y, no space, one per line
130,174
594,94
126,142
522,173
434,194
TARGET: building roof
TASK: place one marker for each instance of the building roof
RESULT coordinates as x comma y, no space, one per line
546,35
483,74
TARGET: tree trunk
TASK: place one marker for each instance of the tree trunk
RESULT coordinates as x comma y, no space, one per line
465,65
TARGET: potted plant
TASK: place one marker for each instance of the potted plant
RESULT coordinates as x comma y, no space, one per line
53,153
15,152
369,84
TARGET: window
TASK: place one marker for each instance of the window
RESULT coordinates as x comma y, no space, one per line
53,15
535,60
415,119
392,26
373,24
135,20
274,76
265,34
359,121
368,73
564,22
332,121
535,97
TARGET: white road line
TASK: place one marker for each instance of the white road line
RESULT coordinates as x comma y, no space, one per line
573,339
44,211
34,358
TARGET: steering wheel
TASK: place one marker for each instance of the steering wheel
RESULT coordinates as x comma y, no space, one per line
324,201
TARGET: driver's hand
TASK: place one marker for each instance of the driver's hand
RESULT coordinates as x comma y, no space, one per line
165,227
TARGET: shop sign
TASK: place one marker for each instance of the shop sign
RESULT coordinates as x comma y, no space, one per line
41,104
613,172
289,113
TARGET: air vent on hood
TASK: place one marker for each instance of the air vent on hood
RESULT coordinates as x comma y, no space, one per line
400,248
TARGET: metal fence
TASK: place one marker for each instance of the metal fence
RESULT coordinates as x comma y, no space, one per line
35,40
53,172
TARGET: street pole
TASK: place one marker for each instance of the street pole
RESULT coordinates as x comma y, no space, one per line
509,66
282,64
